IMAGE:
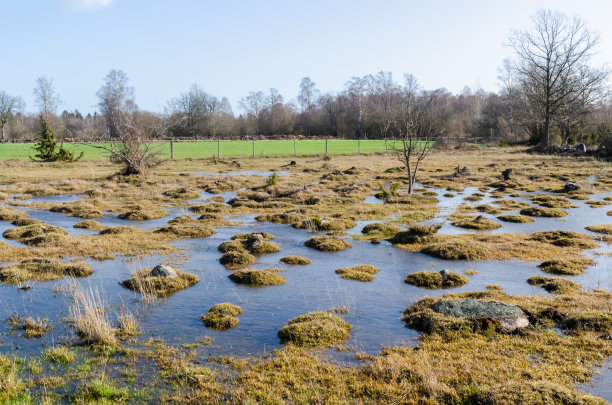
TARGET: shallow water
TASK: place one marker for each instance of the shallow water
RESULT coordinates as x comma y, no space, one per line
261,173
375,308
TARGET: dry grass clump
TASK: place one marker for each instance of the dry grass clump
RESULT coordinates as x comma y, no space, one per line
457,250
9,215
187,230
281,218
361,272
416,234
327,243
433,279
521,219
222,316
88,313
116,230
315,329
42,270
565,239
478,223
509,204
295,260
143,215
26,221
256,278
551,201
555,285
543,212
28,234
79,210
565,267
246,236
182,193
597,204
89,224
605,229
380,229
256,242
32,328
235,259
128,325
143,282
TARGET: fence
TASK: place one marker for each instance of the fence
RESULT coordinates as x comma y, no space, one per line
229,148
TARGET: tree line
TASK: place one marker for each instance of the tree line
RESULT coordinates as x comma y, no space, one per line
550,93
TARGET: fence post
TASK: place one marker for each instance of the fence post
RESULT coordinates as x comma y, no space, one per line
386,149
171,149
218,148
326,146
294,149
253,147
358,145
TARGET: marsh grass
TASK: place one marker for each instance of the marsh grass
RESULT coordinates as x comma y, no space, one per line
316,329
59,355
515,218
257,278
361,272
295,260
477,223
32,328
565,267
141,281
89,315
555,285
543,212
42,270
433,280
605,229
222,316
327,243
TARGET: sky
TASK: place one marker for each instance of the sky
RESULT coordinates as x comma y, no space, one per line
232,47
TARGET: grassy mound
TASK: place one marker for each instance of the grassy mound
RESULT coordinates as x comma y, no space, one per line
362,272
605,229
563,267
182,193
143,215
478,223
144,283
543,212
555,285
222,316
327,243
552,201
79,210
521,219
245,236
236,259
42,270
254,277
27,234
89,224
333,224
416,234
295,260
316,329
190,230
565,239
456,250
380,229
116,230
433,279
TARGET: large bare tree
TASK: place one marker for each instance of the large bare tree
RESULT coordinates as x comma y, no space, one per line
45,96
553,66
254,104
8,106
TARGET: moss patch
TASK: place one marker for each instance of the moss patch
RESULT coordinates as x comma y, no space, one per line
327,243
254,277
362,272
295,260
316,329
222,316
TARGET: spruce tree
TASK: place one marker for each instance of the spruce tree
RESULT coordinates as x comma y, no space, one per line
46,144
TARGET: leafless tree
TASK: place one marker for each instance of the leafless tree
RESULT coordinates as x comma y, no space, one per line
254,105
552,63
307,98
8,106
116,101
416,124
45,96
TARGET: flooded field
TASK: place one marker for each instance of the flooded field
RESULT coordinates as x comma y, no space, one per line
312,198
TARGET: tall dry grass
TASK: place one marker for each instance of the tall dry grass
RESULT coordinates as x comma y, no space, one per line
88,314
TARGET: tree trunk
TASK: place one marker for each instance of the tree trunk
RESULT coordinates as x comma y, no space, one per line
2,139
547,131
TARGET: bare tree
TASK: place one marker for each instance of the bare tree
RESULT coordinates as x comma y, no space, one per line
416,124
307,97
254,105
45,96
8,106
551,62
135,152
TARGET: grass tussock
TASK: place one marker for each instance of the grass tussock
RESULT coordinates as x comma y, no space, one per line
543,212
565,239
316,329
479,223
222,316
521,219
551,201
42,270
605,229
236,259
361,272
143,215
194,229
31,328
379,229
143,282
89,315
327,243
257,278
295,260
89,224
181,193
554,285
416,234
433,279
565,267
59,354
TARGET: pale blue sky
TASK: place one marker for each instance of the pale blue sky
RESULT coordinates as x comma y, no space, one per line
231,47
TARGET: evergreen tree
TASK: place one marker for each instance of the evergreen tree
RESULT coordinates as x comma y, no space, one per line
46,146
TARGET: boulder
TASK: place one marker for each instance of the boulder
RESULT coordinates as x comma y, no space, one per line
444,273
506,174
569,186
161,270
254,241
511,317
581,148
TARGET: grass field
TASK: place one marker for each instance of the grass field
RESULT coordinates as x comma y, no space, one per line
204,149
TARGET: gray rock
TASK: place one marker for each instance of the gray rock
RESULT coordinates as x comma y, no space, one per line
254,241
569,186
161,270
511,317
444,273
581,148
